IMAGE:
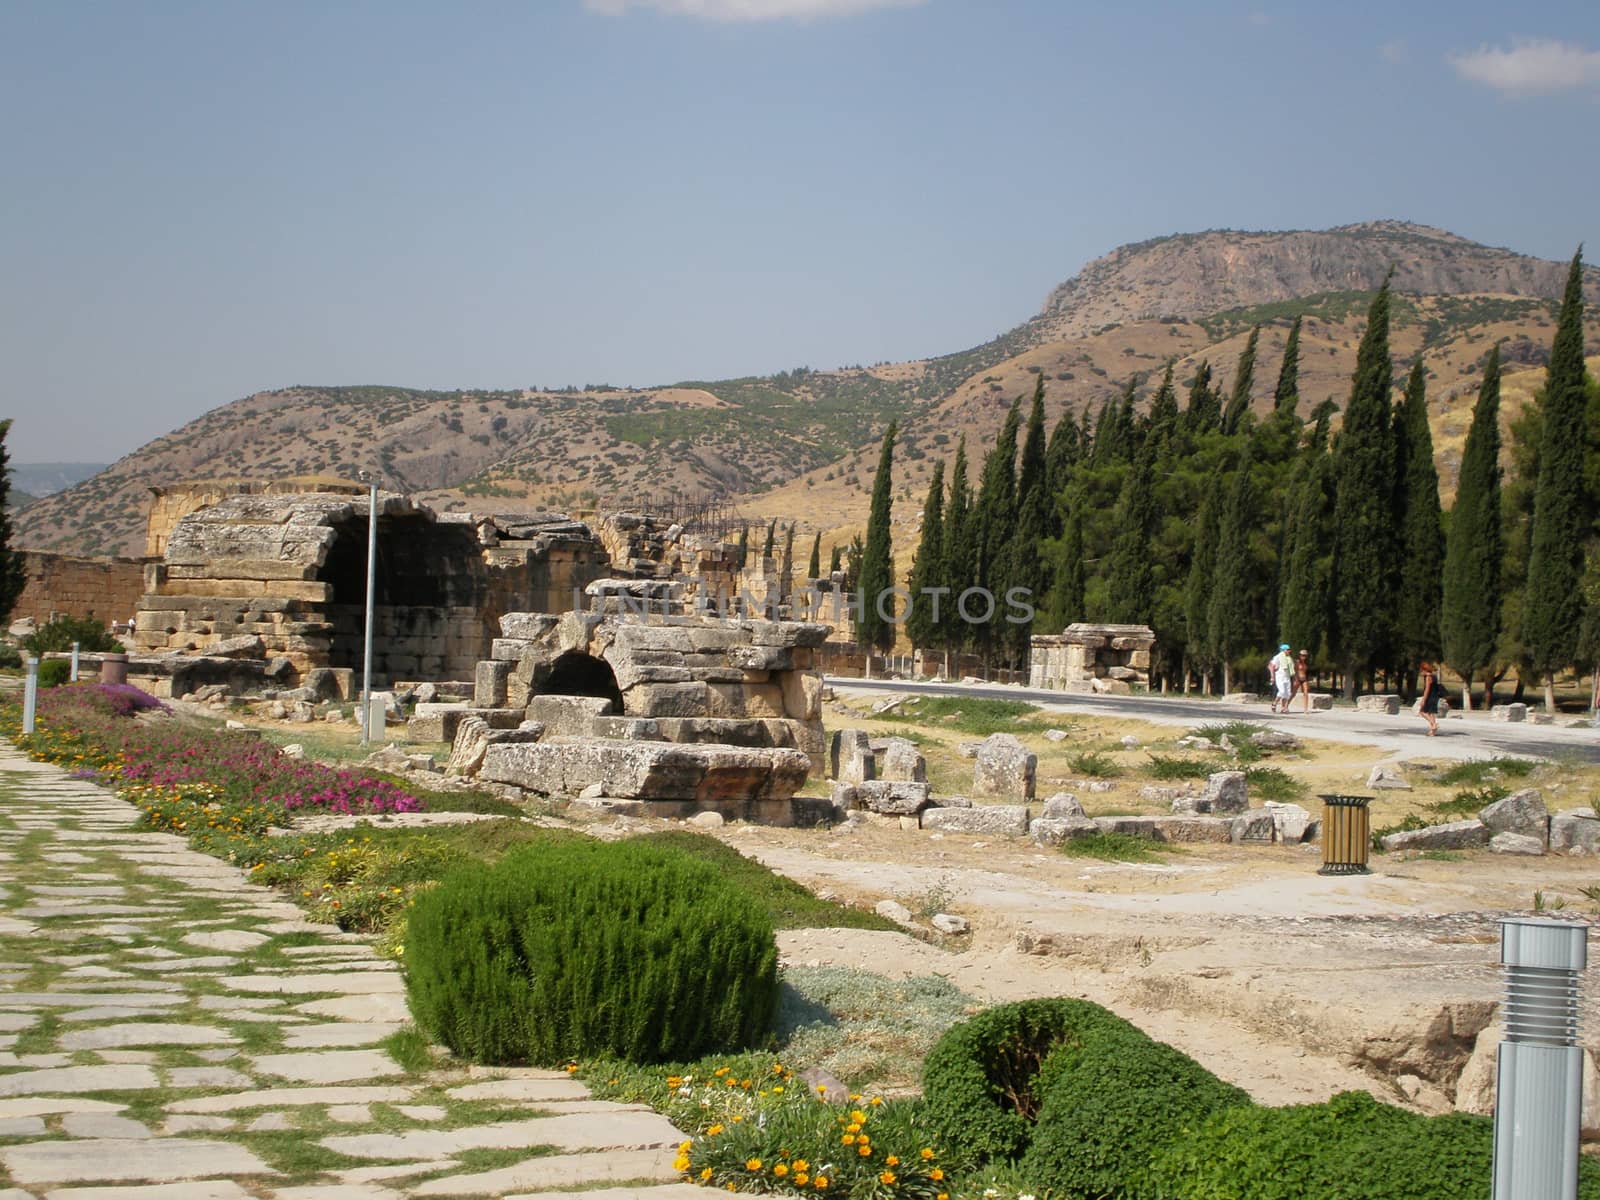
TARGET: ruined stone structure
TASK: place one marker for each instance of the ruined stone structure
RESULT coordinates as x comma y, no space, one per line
107,589
290,570
1092,658
749,682
170,504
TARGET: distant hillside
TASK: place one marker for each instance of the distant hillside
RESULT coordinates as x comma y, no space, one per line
801,444
43,479
17,500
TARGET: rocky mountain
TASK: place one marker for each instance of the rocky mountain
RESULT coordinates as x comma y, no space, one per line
801,444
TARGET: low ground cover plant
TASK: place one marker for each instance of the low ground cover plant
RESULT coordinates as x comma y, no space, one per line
582,947
1109,846
1479,771
967,715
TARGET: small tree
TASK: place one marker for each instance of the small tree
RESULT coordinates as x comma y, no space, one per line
1239,402
927,569
877,558
1286,396
1469,617
1421,531
814,566
1229,616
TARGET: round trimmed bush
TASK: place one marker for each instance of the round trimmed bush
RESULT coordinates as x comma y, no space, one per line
1111,1104
1351,1148
53,672
982,1084
568,949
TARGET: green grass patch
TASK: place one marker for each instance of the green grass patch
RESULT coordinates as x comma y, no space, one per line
1442,856
296,1152
473,1161
1467,803
410,1048
979,717
1406,824
1479,771
1234,731
1274,783
790,905
1115,847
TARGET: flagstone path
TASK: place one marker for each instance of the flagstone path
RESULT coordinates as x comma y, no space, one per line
169,1031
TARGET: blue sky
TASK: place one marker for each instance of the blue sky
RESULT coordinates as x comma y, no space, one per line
202,200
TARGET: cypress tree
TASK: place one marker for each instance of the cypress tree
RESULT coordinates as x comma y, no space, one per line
1469,616
956,554
1162,420
1059,459
787,565
1203,411
836,560
1303,599
1553,605
1034,505
1197,590
877,556
1228,618
814,566
11,571
1286,396
1065,602
1104,436
1364,530
1420,582
744,546
1130,575
1243,380
994,523
772,535
927,571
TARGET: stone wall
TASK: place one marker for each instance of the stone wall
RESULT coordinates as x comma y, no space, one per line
1100,658
170,504
291,571
106,589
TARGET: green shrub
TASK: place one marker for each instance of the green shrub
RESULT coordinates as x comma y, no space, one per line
53,672
1168,766
1274,783
1094,764
1351,1148
586,948
1468,803
1113,1102
1406,824
981,1084
1483,770
1115,847
10,657
60,633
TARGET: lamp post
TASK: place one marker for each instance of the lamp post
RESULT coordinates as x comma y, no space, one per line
372,571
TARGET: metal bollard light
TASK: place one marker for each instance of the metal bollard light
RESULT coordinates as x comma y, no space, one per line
30,694
1539,1085
74,673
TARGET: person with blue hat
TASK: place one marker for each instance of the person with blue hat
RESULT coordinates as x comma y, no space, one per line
1282,669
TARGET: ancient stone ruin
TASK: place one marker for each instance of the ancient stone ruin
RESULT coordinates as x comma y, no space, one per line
1092,658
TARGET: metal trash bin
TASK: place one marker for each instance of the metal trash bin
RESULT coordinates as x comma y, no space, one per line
1346,835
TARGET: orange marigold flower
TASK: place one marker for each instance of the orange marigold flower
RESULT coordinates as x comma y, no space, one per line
780,1170
864,1150
893,1160
927,1153
849,1139
936,1174
820,1183
886,1178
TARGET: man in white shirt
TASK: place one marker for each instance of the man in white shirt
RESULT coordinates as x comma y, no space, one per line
1282,668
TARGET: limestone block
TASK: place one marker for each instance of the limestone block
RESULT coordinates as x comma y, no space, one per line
802,694
900,760
527,626
630,729
1225,793
1291,822
1385,777
761,658
1112,687
1240,698
1521,812
895,797
744,700
1052,831
1171,829
1004,767
1452,835
850,757
631,639
1516,843
1377,703
809,812
630,672
1063,806
510,650
473,738
567,716
788,633
1009,820
667,700
1321,702
1576,829
1256,825
332,683
1509,712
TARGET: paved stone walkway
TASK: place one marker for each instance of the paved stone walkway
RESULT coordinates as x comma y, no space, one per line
169,1031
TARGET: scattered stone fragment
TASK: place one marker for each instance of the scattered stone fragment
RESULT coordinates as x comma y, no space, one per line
1008,819
1521,812
950,923
893,910
1004,767
1452,835
1516,843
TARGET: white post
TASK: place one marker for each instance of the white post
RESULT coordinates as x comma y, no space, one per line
30,694
1539,1085
372,571
74,662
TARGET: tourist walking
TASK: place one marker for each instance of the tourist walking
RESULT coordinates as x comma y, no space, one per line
1282,669
1428,697
1302,679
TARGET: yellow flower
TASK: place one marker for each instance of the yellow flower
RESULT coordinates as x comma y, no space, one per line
684,1146
777,1091
876,1101
674,1080
942,1196
936,1174
893,1160
853,1127
714,1130
801,1164
864,1150
752,1164
927,1153
858,1116
780,1170
820,1183
681,1163
886,1178
572,1068
801,1178
705,1174
849,1139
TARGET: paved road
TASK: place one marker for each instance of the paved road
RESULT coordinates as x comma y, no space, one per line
1467,735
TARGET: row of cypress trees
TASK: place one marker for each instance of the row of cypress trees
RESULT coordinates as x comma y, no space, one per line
1228,531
